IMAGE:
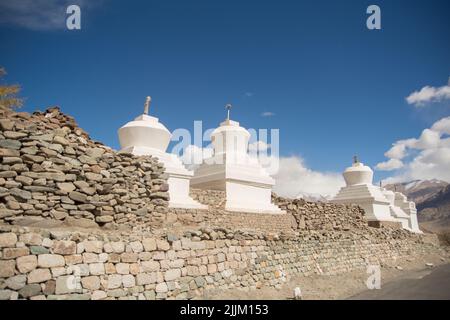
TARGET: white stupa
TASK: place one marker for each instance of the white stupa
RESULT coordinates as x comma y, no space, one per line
248,186
409,208
145,135
360,190
396,212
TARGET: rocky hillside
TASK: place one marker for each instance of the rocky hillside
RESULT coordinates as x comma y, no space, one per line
419,190
437,206
52,172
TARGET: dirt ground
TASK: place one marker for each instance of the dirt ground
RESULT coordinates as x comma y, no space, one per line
344,286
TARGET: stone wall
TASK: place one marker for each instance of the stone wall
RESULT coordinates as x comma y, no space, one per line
80,221
61,264
217,216
51,170
299,215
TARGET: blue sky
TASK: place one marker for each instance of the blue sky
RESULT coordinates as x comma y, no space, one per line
335,87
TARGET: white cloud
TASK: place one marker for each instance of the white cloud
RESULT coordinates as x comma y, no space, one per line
429,94
431,159
249,94
295,178
397,151
40,14
389,165
442,126
267,114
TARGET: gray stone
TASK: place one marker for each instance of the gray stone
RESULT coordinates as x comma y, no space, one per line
150,295
16,282
95,152
60,140
50,261
11,160
78,197
8,174
97,269
86,159
39,189
161,287
93,176
30,290
81,184
199,281
116,293
21,194
6,294
172,274
104,219
26,181
43,137
67,284
14,134
128,281
171,237
10,144
145,278
114,281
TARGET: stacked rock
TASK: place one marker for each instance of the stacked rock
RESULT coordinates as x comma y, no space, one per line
51,170
323,216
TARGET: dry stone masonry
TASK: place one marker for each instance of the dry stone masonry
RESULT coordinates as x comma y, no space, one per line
58,264
80,221
51,170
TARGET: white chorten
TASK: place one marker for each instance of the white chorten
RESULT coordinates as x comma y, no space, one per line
248,186
409,207
145,135
360,190
396,212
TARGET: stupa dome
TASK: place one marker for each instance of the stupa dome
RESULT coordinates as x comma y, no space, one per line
358,174
144,132
230,137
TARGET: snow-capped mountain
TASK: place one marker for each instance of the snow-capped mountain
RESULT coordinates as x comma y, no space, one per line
314,197
419,190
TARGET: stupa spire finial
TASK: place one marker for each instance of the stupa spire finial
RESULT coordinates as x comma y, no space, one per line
355,159
148,100
228,107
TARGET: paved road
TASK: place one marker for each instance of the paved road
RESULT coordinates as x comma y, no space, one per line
427,284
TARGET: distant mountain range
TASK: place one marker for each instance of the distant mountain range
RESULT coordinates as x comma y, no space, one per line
418,190
432,198
313,197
